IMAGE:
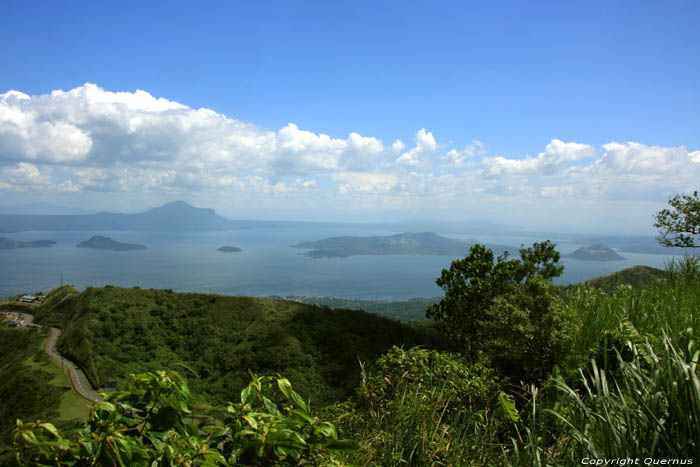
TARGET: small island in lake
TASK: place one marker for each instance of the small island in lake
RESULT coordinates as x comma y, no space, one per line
423,243
7,244
105,243
597,252
228,249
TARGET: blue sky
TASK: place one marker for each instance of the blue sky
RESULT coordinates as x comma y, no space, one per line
553,112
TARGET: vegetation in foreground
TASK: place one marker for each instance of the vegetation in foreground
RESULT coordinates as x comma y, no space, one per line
631,391
31,385
112,332
533,375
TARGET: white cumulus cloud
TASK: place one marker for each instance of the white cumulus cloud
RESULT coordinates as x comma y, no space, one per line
419,156
365,183
464,158
24,176
90,126
555,158
109,143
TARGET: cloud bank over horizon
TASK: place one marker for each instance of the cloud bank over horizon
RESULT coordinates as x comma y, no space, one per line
117,145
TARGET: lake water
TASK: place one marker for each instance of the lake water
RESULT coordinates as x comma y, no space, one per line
266,266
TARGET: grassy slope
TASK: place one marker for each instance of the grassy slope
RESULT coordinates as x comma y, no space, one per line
112,332
635,276
271,333
72,406
31,385
412,310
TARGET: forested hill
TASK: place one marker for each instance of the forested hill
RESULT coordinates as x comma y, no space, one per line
408,243
635,276
111,332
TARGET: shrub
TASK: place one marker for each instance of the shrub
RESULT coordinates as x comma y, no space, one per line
420,407
505,312
146,425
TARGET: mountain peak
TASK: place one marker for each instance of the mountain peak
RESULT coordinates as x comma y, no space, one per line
180,207
597,252
179,204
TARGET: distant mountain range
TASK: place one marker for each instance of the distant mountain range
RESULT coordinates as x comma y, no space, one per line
175,216
423,243
42,209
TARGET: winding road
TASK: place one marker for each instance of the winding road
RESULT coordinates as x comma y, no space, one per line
80,381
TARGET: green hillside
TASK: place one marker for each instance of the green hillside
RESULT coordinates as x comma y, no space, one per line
112,332
32,386
411,310
563,374
635,276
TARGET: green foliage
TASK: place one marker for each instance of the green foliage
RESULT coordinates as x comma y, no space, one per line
671,305
258,432
24,391
411,310
421,407
506,311
636,276
680,226
528,331
111,332
58,295
627,382
542,259
650,407
684,271
468,386
146,426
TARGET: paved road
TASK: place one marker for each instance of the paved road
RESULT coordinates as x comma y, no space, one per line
80,382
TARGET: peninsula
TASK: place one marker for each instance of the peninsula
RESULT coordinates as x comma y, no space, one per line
598,252
105,243
7,244
410,243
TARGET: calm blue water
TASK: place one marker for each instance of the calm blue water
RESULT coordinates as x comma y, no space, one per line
266,266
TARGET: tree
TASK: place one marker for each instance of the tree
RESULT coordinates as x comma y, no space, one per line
505,312
680,226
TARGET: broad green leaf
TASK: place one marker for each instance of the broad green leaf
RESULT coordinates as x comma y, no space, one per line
285,387
247,394
326,429
301,414
299,401
506,406
51,429
251,421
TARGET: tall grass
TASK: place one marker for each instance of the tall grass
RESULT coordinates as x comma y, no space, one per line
423,428
685,270
634,392
641,411
647,403
672,306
